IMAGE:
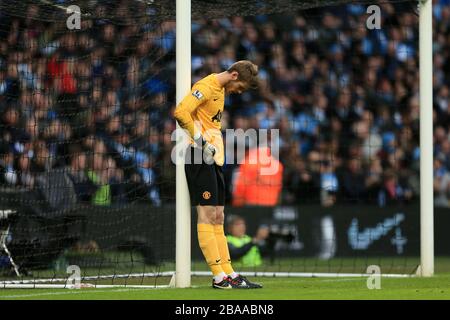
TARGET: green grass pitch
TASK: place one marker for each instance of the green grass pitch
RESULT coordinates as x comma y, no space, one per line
412,288
437,287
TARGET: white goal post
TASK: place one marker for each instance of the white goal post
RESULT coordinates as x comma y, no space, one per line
183,207
426,268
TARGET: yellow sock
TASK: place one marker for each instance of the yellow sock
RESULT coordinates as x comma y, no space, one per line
222,244
208,245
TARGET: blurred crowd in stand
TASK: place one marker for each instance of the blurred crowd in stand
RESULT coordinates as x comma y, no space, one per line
98,102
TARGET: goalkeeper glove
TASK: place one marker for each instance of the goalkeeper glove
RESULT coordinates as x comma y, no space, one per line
209,150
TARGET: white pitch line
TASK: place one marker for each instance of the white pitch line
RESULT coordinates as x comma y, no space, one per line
343,280
65,293
18,296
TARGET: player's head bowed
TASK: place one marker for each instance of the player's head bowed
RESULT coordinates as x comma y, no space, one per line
243,76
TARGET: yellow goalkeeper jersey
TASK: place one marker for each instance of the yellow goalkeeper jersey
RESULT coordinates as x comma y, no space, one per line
202,110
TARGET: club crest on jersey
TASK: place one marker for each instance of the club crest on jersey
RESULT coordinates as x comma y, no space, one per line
206,195
197,94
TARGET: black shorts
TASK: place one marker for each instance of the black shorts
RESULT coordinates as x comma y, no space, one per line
205,181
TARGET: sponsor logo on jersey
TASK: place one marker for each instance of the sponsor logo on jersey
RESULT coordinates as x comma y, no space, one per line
217,117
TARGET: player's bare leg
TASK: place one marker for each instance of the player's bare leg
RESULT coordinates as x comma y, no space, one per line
206,214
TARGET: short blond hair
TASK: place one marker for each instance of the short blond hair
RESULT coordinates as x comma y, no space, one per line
248,72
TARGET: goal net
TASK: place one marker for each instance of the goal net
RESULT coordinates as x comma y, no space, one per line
87,92
86,176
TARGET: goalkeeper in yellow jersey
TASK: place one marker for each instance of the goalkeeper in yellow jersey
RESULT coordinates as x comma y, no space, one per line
200,113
